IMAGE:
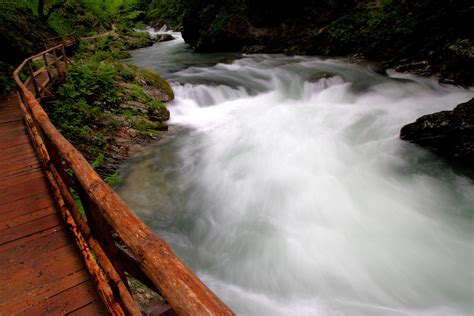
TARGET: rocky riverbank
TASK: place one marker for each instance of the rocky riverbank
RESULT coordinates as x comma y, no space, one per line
423,37
107,109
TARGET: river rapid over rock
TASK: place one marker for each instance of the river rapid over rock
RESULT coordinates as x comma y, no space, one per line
288,191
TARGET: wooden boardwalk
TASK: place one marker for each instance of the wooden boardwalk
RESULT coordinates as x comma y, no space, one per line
41,272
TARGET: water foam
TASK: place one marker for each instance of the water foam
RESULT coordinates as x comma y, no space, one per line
290,192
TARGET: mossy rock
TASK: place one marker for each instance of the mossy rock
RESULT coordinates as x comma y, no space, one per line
153,80
164,38
157,111
137,40
148,126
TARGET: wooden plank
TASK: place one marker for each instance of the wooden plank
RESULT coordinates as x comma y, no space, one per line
6,223
17,166
25,188
7,181
15,142
29,249
23,191
27,155
90,309
35,271
11,126
21,242
59,280
12,167
6,136
13,162
10,113
33,202
19,151
45,268
20,231
32,168
67,301
13,118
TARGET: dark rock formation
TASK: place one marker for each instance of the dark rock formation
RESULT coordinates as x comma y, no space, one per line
450,133
426,37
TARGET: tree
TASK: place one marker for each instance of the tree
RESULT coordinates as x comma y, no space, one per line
53,6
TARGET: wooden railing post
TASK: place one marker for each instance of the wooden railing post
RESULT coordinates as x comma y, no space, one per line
33,78
56,62
46,64
102,232
63,52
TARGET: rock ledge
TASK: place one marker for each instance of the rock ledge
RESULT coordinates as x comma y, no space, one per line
450,133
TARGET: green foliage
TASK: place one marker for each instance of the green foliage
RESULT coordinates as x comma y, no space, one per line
145,125
217,24
371,31
114,179
98,161
168,12
6,81
462,47
111,47
89,94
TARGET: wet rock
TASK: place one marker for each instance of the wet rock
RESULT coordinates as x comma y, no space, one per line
164,38
158,94
132,132
254,49
158,114
450,133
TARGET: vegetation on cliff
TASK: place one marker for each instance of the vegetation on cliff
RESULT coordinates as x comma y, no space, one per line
430,37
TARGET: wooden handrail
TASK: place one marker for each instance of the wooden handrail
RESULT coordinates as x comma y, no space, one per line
67,39
186,294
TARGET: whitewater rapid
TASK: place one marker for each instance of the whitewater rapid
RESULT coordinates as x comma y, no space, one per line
287,189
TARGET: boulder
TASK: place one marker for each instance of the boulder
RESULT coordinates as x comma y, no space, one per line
450,133
164,38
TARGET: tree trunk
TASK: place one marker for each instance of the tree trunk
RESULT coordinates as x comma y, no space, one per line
41,10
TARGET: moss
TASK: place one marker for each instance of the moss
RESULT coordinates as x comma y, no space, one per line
147,126
113,46
462,47
155,80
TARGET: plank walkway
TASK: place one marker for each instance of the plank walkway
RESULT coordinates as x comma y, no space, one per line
41,272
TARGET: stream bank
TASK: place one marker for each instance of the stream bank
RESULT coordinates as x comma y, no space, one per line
107,109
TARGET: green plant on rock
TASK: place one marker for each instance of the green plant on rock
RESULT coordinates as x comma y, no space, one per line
89,96
153,79
462,47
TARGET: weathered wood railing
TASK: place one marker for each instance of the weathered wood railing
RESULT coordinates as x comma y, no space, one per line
66,40
107,218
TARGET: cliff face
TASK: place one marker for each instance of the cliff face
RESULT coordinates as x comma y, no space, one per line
426,37
272,26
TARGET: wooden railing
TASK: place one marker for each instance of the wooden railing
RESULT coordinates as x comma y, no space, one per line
66,40
112,239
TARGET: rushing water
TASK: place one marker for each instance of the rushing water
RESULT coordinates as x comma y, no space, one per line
287,189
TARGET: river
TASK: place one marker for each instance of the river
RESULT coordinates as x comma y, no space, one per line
285,186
